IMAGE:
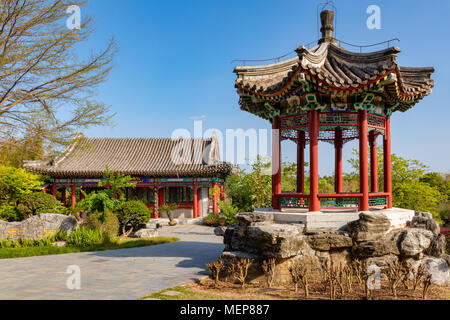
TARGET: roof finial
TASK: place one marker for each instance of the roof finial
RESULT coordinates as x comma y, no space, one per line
327,20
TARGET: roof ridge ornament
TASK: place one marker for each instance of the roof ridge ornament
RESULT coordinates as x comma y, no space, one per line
327,21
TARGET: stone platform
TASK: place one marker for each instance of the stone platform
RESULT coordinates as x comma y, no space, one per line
334,219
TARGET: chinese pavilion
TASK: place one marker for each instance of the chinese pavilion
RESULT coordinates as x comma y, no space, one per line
166,171
333,95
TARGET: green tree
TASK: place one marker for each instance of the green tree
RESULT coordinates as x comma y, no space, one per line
115,183
16,182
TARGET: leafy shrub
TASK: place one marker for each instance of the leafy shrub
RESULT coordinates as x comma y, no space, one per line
86,237
131,215
15,183
37,203
98,202
10,214
214,220
106,222
228,211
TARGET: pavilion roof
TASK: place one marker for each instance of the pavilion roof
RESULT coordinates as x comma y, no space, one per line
147,157
330,69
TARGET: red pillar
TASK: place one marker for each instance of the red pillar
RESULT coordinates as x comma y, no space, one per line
387,162
63,196
44,190
363,161
314,127
338,144
222,192
74,194
54,190
199,203
373,162
301,162
195,204
215,198
276,163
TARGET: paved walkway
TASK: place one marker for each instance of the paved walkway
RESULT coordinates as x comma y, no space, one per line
115,274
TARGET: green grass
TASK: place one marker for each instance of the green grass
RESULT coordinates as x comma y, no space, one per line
123,243
185,294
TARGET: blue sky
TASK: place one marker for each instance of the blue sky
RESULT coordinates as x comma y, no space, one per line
174,64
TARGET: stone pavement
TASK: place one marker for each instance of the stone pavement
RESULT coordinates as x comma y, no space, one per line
115,274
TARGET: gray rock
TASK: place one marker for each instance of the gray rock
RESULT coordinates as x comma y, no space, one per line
437,267
387,245
437,247
328,241
254,218
414,242
60,244
220,231
370,226
146,233
424,220
446,257
37,227
274,240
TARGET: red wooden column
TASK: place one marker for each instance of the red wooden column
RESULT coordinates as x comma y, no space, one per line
63,196
387,162
301,162
373,162
74,194
314,127
215,198
195,201
276,163
54,190
338,144
363,161
199,202
222,192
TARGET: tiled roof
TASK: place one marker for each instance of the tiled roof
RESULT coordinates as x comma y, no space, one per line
149,157
336,68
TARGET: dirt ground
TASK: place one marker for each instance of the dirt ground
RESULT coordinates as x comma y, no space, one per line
318,291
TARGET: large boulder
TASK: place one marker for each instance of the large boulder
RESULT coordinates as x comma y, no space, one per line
387,245
424,220
146,233
370,226
274,240
437,267
254,218
413,242
37,227
328,241
437,246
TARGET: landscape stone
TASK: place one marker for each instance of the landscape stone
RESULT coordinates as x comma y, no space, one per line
437,247
254,218
146,233
220,231
424,220
37,227
274,240
437,267
414,242
370,226
328,241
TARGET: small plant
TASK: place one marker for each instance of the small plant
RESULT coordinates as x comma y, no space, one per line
357,271
418,275
268,267
228,211
330,277
215,267
427,282
300,272
366,275
394,275
86,237
167,209
239,271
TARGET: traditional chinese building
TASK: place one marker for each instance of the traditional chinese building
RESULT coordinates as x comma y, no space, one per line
166,171
332,95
